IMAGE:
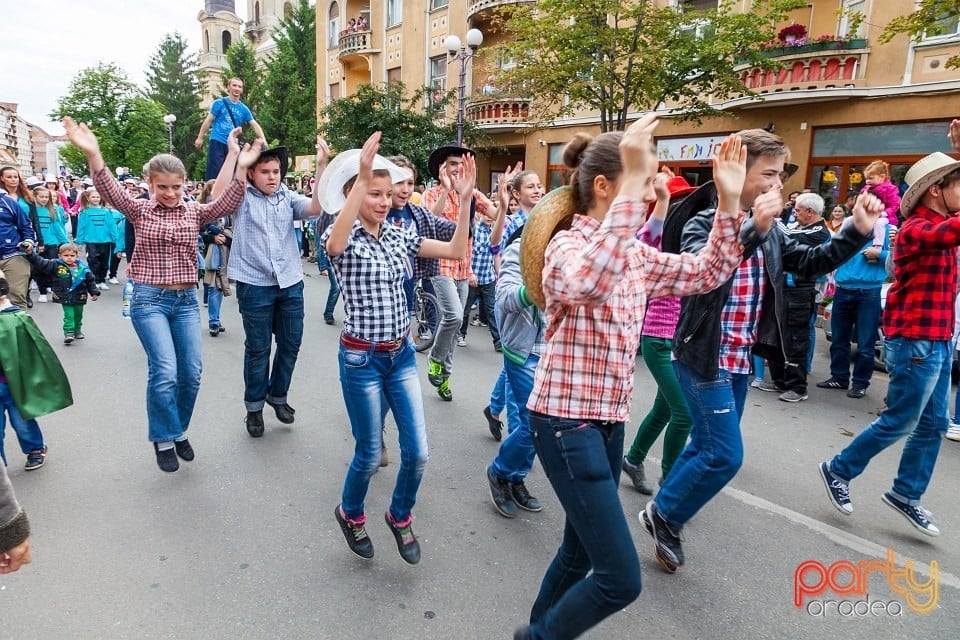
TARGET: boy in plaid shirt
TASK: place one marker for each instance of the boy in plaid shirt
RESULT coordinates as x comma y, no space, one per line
483,277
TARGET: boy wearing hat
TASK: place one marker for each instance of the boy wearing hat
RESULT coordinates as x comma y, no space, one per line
452,285
918,321
265,263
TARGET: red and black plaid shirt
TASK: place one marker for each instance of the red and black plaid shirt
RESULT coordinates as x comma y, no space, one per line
920,302
166,248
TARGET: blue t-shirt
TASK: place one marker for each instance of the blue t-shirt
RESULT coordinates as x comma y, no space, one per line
222,124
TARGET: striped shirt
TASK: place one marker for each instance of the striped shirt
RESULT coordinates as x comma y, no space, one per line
264,252
738,319
596,281
166,247
660,320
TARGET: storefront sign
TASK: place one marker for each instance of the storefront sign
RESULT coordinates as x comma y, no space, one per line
688,149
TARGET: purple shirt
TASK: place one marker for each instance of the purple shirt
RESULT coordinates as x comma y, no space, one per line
660,320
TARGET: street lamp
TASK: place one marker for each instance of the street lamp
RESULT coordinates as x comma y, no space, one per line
170,119
462,53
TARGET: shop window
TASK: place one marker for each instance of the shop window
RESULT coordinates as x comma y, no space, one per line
910,138
557,172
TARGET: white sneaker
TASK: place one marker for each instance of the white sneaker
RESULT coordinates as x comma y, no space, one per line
756,383
42,298
953,433
461,341
113,281
33,285
103,286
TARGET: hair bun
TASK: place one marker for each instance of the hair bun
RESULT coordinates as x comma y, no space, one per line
573,152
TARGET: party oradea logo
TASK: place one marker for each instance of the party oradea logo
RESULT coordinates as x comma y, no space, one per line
842,588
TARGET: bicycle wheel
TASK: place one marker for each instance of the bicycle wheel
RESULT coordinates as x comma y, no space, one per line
423,324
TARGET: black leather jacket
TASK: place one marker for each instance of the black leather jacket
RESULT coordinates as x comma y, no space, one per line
696,342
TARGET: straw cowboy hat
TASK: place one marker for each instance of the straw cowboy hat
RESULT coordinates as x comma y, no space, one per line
922,175
345,166
551,214
440,154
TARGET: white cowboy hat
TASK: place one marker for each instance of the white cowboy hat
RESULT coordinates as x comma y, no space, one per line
922,175
345,166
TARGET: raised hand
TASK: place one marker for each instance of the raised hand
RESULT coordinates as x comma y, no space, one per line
367,153
729,172
445,180
636,147
81,136
954,134
660,183
250,153
466,180
866,211
323,154
233,146
766,209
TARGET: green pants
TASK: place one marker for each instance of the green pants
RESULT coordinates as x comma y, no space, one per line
72,318
669,408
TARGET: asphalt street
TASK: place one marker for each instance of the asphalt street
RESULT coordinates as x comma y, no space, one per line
242,543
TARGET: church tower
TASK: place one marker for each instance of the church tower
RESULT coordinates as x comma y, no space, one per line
264,18
221,27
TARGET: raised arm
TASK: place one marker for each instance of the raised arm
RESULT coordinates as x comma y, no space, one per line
258,129
503,200
456,249
323,153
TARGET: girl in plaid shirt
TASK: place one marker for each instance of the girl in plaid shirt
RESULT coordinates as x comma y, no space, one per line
596,281
371,259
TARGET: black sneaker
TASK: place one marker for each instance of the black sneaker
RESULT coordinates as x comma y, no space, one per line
284,411
254,422
79,335
493,423
857,392
637,476
523,499
328,319
407,543
837,490
501,495
915,515
355,534
184,450
35,459
214,331
666,539
166,459
832,383
522,633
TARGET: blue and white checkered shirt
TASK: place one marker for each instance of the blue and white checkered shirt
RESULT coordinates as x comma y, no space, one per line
264,250
481,260
512,223
371,272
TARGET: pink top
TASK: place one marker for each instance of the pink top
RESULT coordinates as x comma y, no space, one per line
662,315
890,197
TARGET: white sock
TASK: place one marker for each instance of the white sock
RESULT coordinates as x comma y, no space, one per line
163,446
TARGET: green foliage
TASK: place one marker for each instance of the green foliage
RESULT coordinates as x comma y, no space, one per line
242,63
101,96
289,108
145,133
173,78
74,160
931,17
408,127
618,56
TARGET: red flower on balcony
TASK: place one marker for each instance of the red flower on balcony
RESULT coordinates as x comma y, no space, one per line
792,32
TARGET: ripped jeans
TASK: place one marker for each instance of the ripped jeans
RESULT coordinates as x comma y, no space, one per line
714,453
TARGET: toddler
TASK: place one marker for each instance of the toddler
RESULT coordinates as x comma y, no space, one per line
71,282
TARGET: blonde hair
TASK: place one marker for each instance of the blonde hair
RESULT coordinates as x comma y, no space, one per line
68,246
166,163
877,168
49,206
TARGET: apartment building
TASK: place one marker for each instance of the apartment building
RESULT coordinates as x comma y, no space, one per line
839,104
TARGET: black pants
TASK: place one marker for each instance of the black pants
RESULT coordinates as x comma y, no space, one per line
486,294
114,262
791,373
98,259
44,282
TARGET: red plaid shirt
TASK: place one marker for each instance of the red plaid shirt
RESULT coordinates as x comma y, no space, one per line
920,302
596,281
738,319
456,269
166,248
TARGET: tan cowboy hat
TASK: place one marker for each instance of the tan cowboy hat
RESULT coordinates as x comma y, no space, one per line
922,175
552,213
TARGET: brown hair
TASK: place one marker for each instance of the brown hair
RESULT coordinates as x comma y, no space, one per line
49,206
85,198
760,142
68,246
22,190
590,157
204,196
950,179
377,173
517,181
404,161
877,168
166,163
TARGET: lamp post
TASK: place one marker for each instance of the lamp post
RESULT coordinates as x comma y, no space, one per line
170,119
462,52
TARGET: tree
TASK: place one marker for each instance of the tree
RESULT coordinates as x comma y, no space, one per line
618,56
73,159
288,111
173,80
931,17
145,132
242,63
100,96
408,128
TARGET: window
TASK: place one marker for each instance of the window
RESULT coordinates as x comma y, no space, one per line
225,40
333,25
334,91
909,138
438,4
256,13
393,75
394,12
688,6
556,170
851,7
206,41
438,77
946,27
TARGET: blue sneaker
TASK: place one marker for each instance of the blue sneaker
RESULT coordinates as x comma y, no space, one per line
915,514
837,490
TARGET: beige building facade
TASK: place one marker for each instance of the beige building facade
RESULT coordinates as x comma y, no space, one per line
838,106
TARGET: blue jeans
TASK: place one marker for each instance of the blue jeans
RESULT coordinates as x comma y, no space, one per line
166,323
515,458
860,307
367,378
267,312
214,302
216,155
918,400
28,431
451,297
715,451
502,396
596,571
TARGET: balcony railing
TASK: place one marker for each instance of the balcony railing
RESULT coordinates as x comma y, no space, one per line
817,69
493,112
355,41
478,6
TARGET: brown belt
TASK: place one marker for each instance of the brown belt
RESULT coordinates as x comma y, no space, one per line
352,342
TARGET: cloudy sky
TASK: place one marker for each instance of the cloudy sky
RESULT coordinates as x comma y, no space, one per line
46,43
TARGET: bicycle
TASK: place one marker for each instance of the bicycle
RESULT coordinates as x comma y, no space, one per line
423,321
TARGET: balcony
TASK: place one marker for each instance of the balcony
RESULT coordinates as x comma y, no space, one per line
354,42
479,9
812,66
499,112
